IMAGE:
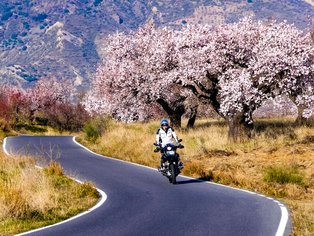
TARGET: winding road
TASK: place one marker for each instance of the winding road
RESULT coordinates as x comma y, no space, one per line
140,201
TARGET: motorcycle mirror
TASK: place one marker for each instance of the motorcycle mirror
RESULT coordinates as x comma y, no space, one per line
180,140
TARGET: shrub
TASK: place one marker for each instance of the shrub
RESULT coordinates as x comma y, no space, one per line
6,16
54,168
40,17
284,175
65,116
26,25
87,189
92,133
97,2
4,125
95,128
5,109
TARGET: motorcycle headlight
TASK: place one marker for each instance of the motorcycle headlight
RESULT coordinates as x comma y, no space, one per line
170,152
169,148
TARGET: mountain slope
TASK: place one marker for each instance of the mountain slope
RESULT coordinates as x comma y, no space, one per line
60,38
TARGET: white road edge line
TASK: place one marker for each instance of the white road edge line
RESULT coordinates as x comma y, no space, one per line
99,203
284,212
283,220
4,147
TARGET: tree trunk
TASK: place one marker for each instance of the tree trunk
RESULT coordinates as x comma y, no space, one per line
239,129
17,111
192,117
175,113
175,120
300,119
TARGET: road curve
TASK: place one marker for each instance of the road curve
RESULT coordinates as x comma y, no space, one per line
142,202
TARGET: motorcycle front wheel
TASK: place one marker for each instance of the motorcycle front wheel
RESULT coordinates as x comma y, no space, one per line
172,178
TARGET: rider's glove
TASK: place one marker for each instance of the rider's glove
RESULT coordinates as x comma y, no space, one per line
157,149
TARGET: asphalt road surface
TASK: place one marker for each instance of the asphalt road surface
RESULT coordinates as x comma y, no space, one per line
140,201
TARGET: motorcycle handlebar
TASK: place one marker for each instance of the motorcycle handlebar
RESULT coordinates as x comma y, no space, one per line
158,148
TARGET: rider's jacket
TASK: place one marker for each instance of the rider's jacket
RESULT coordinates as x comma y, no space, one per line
166,136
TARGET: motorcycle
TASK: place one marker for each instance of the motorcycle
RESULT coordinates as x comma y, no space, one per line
172,164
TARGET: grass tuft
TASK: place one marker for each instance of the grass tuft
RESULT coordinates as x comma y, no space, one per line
307,139
87,189
54,168
192,168
284,175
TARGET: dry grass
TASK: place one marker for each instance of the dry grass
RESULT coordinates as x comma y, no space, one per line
209,155
31,198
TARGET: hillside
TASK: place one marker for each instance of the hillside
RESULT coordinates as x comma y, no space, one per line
40,38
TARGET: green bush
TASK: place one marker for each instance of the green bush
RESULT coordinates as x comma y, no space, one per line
284,175
95,128
87,189
92,133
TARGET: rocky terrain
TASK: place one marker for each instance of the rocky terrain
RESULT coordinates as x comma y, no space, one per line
62,38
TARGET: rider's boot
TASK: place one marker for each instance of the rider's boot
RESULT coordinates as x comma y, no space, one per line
180,165
162,167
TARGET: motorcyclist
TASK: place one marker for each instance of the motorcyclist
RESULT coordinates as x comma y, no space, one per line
165,134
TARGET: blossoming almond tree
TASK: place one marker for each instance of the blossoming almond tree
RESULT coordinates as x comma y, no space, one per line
285,61
46,93
12,104
239,66
134,76
117,89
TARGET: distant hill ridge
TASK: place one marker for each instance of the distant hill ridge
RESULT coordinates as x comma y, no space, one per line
61,38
